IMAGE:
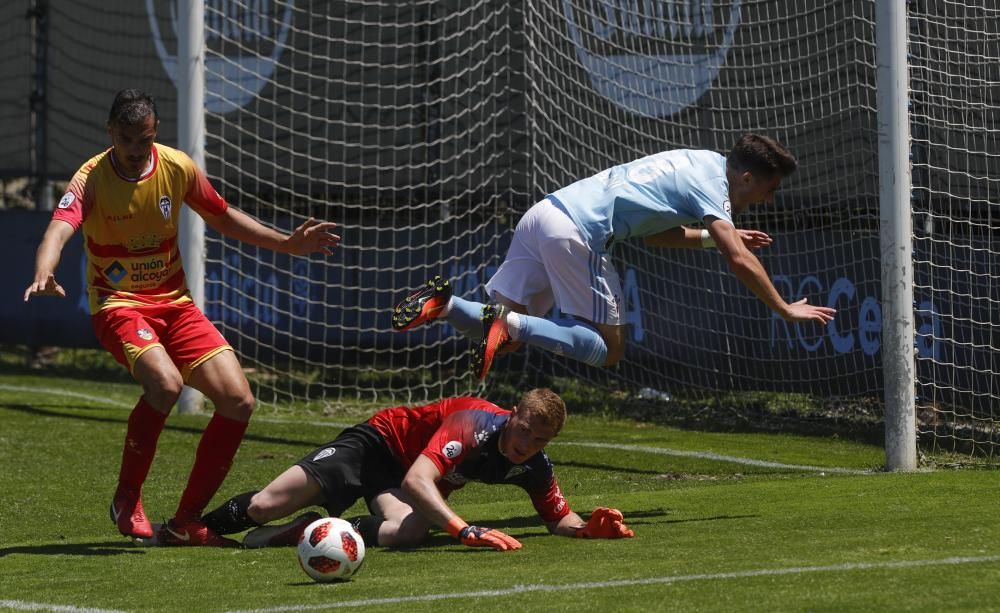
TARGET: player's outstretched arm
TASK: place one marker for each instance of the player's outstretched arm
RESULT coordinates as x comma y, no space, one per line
311,236
420,484
679,237
690,238
47,258
751,273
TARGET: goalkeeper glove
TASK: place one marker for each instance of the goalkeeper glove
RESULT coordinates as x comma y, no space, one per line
477,536
605,523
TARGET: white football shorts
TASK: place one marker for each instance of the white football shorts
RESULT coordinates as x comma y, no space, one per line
549,263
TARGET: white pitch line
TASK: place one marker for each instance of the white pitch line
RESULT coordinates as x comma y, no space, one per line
524,589
65,393
708,455
331,424
116,405
20,605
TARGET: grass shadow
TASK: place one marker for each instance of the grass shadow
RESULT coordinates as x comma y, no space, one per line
36,410
106,548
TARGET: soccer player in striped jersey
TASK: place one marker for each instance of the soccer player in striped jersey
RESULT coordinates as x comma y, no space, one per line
559,254
127,200
405,462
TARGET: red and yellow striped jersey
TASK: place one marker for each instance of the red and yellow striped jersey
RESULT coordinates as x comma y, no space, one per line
130,226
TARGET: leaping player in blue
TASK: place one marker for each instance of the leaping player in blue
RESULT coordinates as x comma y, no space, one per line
559,254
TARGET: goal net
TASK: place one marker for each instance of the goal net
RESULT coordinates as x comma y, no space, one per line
402,123
955,68
426,129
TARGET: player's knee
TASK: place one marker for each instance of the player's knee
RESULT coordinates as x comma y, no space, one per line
245,404
238,407
164,391
401,534
264,508
616,351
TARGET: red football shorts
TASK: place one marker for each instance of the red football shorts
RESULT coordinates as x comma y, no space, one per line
181,329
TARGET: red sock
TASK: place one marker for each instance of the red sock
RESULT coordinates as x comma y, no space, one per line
218,445
144,427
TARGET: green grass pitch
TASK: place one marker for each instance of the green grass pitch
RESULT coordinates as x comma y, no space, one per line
724,522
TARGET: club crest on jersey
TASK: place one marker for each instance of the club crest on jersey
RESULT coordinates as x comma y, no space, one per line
728,206
144,334
452,449
67,200
165,207
329,451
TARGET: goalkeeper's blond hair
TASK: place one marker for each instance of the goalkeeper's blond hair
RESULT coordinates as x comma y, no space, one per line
544,404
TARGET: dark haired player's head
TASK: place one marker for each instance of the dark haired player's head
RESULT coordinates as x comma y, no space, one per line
761,156
755,168
131,107
132,125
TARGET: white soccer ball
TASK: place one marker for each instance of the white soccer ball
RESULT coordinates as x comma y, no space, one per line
330,549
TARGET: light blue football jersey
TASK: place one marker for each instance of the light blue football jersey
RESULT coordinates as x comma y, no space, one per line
647,196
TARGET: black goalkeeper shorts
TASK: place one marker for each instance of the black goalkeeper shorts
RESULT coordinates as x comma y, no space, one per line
356,464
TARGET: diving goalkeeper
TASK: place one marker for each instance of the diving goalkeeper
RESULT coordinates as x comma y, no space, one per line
406,461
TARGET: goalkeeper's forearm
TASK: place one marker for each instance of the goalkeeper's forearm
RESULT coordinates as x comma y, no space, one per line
420,484
567,525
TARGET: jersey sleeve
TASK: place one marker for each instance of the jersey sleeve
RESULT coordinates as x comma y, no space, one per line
452,441
77,202
707,196
543,489
201,195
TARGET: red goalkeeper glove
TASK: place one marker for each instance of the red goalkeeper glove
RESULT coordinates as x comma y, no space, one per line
477,536
605,523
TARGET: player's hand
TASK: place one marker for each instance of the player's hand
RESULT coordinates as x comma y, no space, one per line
45,287
312,236
476,536
754,239
801,311
605,523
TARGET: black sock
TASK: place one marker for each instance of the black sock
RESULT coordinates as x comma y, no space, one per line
231,517
367,526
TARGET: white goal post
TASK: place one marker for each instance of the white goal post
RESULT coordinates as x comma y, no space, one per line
895,236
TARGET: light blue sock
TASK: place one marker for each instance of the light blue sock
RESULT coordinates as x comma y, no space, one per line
466,317
569,337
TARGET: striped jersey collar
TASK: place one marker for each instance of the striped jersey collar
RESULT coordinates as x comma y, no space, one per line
154,158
